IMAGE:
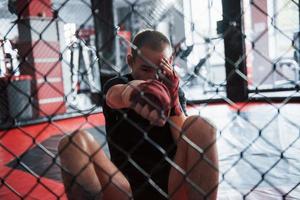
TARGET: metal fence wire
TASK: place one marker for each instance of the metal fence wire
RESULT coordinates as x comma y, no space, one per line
238,68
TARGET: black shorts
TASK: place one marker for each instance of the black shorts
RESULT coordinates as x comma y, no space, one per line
147,180
154,188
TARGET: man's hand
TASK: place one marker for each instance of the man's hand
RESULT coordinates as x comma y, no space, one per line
150,114
150,99
169,77
131,86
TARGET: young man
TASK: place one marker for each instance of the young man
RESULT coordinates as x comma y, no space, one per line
156,151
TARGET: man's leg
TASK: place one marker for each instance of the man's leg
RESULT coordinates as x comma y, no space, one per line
200,180
87,172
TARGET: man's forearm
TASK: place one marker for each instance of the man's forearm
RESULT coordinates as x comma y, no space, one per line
176,123
118,96
114,96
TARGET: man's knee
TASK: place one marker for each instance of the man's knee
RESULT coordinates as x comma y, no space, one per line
79,139
198,125
198,122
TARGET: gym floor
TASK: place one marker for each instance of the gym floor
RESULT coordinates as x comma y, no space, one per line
258,151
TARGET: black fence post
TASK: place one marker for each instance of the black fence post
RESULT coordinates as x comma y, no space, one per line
234,47
105,37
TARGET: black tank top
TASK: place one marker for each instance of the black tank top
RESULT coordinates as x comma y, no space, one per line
139,149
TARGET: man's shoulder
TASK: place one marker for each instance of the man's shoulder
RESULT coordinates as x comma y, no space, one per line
116,80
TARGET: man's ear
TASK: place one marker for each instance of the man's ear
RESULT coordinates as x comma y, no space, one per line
130,60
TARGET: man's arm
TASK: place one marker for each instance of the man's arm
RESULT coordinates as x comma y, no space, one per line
176,123
118,96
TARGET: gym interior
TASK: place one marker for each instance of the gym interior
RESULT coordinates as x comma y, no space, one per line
238,63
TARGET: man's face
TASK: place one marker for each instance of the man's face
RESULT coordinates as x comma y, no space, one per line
146,66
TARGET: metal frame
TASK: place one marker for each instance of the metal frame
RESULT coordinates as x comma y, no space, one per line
234,47
105,35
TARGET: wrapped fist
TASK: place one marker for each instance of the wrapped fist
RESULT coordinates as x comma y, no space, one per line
169,77
151,99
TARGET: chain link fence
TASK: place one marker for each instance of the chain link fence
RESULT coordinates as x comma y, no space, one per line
238,64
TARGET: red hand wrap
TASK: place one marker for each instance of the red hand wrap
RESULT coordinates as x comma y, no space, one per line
172,83
153,93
